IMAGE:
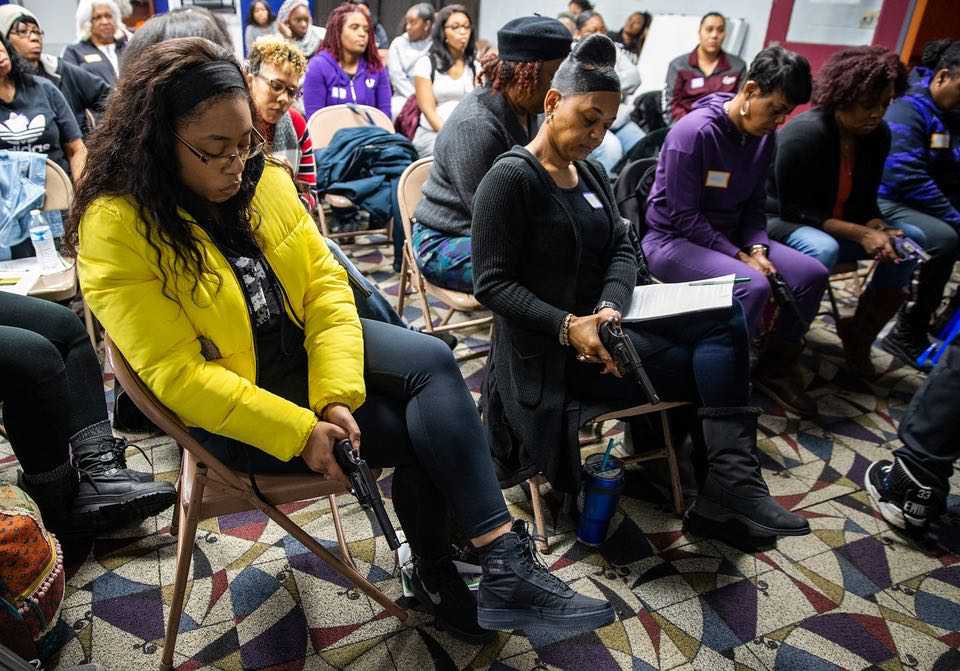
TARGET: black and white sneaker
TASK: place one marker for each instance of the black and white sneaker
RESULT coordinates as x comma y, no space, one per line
518,591
441,590
903,501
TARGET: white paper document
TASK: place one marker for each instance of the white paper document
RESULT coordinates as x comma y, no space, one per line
19,276
656,301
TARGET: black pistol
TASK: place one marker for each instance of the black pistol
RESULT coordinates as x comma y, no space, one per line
364,487
783,296
624,354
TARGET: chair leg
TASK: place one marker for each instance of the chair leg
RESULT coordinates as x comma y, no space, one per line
185,540
338,526
404,282
544,544
177,510
678,504
425,306
833,302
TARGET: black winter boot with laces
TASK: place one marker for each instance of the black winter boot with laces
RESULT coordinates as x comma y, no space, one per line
441,590
517,591
107,448
95,493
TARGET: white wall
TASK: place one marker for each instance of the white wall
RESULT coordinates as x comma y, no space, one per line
494,13
58,19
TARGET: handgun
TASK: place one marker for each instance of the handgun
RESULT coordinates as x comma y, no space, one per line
783,296
624,354
364,487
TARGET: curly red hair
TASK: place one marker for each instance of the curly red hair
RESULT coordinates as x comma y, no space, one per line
331,41
858,74
500,74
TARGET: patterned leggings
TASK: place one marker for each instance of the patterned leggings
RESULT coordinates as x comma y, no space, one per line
444,259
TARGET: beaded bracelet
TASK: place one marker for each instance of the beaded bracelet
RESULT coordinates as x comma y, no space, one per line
565,329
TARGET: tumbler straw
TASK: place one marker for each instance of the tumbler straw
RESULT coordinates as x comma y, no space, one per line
606,456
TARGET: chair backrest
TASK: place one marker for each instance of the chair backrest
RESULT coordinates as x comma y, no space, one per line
59,188
326,121
632,189
410,191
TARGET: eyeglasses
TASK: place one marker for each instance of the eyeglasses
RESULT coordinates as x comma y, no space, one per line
277,87
224,161
29,32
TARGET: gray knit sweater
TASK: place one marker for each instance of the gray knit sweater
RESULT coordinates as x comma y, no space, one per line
482,127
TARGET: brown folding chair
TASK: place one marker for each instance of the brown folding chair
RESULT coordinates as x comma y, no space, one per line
322,126
409,192
667,452
208,488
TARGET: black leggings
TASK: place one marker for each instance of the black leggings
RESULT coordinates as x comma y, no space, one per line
420,418
50,380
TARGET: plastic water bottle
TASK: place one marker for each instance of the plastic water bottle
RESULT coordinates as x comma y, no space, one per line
42,238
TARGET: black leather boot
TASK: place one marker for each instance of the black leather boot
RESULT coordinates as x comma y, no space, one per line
734,490
110,449
518,591
857,333
95,493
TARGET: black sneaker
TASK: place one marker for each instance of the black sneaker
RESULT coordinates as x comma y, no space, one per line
441,590
517,591
903,501
907,344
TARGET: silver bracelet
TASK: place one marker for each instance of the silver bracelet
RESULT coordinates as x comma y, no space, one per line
565,329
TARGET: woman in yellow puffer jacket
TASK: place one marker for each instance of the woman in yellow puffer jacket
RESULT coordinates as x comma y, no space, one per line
211,278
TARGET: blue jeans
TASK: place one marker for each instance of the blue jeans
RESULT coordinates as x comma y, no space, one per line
420,418
629,134
830,251
703,358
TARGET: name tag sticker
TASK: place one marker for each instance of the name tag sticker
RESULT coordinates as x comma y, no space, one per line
591,198
92,58
718,179
696,83
940,141
729,79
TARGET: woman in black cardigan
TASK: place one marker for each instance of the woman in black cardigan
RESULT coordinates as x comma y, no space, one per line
822,192
553,260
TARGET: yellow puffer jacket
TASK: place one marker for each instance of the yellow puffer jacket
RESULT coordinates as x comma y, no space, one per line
161,338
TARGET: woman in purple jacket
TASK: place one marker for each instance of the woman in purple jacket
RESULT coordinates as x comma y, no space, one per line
347,69
705,214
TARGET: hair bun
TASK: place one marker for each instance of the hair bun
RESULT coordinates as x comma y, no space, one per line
597,50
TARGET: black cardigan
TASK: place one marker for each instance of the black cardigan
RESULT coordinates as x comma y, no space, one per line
526,256
802,187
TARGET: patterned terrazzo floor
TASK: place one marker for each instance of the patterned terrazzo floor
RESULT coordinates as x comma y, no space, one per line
852,595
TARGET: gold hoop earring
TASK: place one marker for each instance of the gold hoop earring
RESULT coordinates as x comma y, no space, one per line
745,108
549,116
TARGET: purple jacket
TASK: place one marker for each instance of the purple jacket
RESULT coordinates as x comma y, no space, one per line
327,84
710,186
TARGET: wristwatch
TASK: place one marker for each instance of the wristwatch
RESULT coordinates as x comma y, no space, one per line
758,248
606,304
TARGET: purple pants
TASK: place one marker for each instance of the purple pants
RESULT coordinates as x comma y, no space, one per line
678,260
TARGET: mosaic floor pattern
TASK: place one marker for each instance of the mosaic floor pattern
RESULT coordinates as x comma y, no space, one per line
851,595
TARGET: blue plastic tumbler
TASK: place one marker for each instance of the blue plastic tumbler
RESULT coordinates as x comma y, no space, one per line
599,493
